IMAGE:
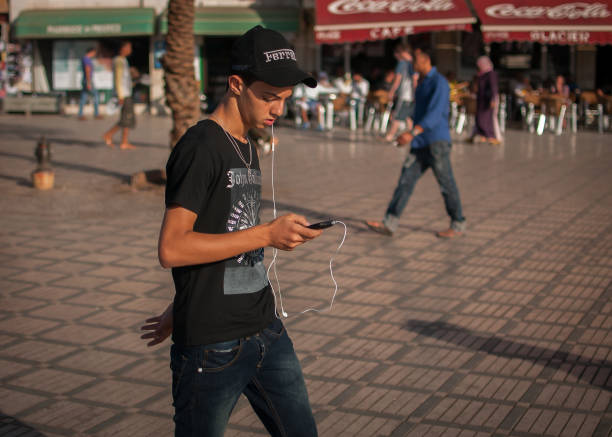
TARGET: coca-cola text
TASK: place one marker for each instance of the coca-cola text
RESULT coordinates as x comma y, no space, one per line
343,7
572,11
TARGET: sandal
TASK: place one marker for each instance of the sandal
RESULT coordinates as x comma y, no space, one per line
379,227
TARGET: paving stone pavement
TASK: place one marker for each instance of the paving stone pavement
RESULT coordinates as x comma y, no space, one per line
505,332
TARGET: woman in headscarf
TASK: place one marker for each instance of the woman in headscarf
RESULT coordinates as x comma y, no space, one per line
487,101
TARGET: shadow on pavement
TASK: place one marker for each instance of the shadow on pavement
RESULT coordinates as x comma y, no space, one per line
19,180
34,134
9,426
100,143
572,364
125,178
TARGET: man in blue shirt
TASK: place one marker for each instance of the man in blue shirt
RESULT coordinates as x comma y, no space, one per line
87,83
430,145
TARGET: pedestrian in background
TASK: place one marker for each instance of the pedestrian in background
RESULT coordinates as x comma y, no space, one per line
403,85
122,90
487,101
430,146
88,88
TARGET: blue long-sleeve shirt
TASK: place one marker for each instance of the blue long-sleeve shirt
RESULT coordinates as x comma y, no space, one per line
431,109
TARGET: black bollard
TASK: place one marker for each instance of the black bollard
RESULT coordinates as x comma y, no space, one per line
43,177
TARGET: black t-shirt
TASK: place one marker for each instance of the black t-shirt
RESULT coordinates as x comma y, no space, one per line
227,299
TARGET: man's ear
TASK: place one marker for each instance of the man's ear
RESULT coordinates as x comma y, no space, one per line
235,84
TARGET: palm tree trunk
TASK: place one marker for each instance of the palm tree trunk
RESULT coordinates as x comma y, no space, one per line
181,88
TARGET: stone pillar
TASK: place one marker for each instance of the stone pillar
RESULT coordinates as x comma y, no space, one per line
572,62
586,57
544,61
347,57
447,45
306,49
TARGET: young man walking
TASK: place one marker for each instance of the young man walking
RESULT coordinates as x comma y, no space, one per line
227,337
122,89
430,146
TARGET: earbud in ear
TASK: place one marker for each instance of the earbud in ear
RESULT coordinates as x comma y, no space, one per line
285,314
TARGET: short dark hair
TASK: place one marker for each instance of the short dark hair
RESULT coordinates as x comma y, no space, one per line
90,49
428,51
401,47
246,77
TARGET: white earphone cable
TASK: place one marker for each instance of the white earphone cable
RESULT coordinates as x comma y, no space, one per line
275,253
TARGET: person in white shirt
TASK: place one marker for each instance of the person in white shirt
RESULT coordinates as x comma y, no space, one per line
308,99
360,87
343,82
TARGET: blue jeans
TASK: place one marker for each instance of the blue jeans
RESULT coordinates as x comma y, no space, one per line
85,93
208,380
436,156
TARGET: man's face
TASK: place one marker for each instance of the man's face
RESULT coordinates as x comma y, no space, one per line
261,104
126,49
422,63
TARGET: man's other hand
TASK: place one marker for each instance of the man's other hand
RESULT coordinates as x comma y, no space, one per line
158,328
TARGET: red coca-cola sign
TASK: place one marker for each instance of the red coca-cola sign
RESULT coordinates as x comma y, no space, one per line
546,12
360,20
546,21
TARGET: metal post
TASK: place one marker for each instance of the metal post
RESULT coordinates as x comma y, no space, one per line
322,111
360,111
330,115
353,114
461,121
454,113
384,121
502,113
541,123
600,118
370,120
561,119
574,118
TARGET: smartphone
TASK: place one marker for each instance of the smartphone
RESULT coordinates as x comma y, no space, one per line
323,225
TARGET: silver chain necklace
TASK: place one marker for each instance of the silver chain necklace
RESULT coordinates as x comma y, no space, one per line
236,147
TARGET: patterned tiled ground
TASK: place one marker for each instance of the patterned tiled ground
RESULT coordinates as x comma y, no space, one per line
506,332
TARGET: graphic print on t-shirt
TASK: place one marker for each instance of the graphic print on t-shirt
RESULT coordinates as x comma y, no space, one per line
244,273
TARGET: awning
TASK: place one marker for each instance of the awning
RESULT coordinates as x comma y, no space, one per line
367,20
84,23
236,21
546,21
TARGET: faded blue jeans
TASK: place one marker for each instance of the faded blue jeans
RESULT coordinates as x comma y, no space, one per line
437,157
208,380
85,93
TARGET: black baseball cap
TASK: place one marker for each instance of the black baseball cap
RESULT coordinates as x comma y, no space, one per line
268,56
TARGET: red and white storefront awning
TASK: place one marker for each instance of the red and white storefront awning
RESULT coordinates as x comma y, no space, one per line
341,21
546,21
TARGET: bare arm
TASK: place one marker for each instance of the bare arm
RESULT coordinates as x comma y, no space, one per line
88,76
179,245
396,83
